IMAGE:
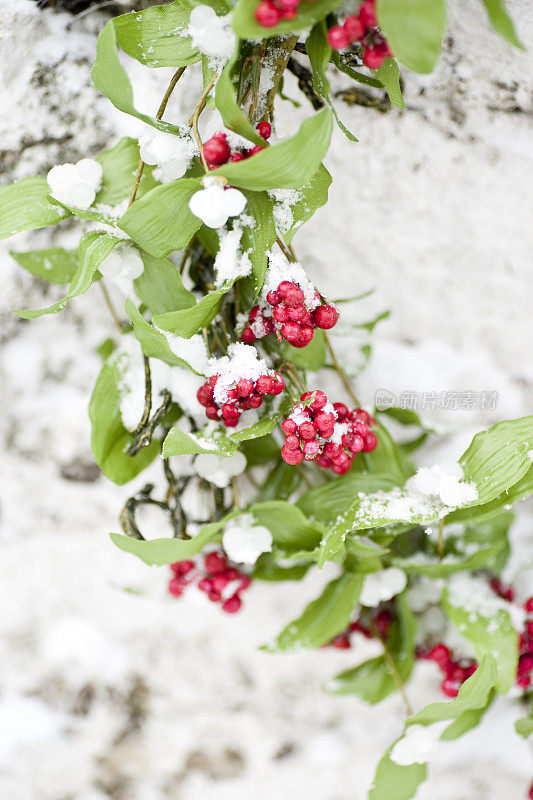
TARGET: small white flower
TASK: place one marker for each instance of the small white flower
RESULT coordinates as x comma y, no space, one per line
123,261
243,541
75,184
211,34
219,469
214,204
381,586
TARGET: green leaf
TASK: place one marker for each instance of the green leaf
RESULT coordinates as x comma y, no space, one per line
486,511
155,37
325,502
119,165
389,75
261,451
388,458
372,680
165,551
188,321
280,483
312,196
110,77
266,569
495,533
501,21
154,343
24,206
226,102
487,626
160,286
161,221
54,264
360,77
179,443
290,164
311,357
498,458
307,14
323,619
524,727
109,437
319,52
262,428
258,239
435,568
94,247
395,781
290,528
414,30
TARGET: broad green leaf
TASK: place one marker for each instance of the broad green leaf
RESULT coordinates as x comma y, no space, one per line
161,221
280,483
54,264
493,532
360,77
257,239
119,165
389,75
396,781
323,619
312,196
188,321
319,52
372,680
498,458
307,14
179,443
154,343
388,458
262,428
261,451
157,36
524,727
225,98
435,568
501,21
110,77
290,528
160,286
486,511
165,551
414,30
24,206
94,247
266,569
290,164
325,502
486,623
109,437
311,357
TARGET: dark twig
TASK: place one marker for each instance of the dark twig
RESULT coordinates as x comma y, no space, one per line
305,83
144,437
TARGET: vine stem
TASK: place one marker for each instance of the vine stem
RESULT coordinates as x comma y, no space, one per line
440,542
397,678
109,304
340,372
193,121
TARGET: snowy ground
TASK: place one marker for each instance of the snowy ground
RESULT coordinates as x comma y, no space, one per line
131,696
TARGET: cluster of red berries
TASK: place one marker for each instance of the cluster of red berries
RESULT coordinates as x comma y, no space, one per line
222,583
363,28
289,317
331,435
246,394
380,623
217,150
525,643
455,672
269,12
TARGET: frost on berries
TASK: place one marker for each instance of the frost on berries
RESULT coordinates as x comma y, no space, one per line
215,204
75,184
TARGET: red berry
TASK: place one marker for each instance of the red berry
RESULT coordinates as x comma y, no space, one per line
361,428
311,449
215,563
220,581
284,287
264,128
229,411
254,400
325,317
353,28
528,605
367,14
205,394
440,654
357,445
383,622
371,442
341,410
264,384
297,313
449,687
232,604
306,334
235,157
523,680
331,450
291,332
319,399
205,585
175,587
293,296
244,387
341,642
383,48
254,150
372,58
338,38
289,426
307,430
273,298
323,462
292,456
214,596
340,469
292,442
245,582
529,628
212,412
278,384
324,421
180,568
267,14
231,573
248,336
525,662
216,151
281,313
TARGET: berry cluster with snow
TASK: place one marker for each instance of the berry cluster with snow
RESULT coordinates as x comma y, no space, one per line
244,540
237,382
217,150
170,153
270,12
455,670
289,306
76,184
329,434
216,203
216,578
363,29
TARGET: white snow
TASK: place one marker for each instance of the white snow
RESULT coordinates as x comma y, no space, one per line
281,269
211,34
230,261
219,469
75,184
171,153
124,261
242,361
378,587
417,744
244,541
444,482
214,204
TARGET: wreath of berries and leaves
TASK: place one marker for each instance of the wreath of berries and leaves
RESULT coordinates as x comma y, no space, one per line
213,369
